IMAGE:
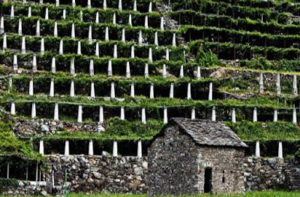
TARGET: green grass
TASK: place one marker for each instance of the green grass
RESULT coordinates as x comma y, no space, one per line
248,194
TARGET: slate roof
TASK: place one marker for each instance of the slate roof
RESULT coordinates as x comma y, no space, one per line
205,132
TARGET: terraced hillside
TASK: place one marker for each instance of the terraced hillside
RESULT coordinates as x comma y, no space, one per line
110,74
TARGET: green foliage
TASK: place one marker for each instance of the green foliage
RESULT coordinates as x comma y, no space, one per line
252,131
207,59
8,183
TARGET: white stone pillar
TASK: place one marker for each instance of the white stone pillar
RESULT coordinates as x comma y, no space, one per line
213,114
174,40
130,20
79,115
56,112
132,91
72,66
97,49
67,148
294,115
92,90
167,54
92,71
91,148
114,19
295,88
210,92
23,48
4,45
31,87
73,34
181,72
278,86
140,40
61,47
132,55
261,83
53,65
193,114
120,5
89,4
112,91
2,25
20,27
78,48
15,62
150,7
55,31
115,51
57,2
123,35
189,91
90,37
101,115
12,11
7,171
150,58
51,94
115,148
72,89
139,149
122,113
144,121
275,116
165,115
29,12
106,34
151,91
47,13
255,114
233,115
10,83
128,73
73,3
104,4
33,110
146,70
280,150
172,90
42,46
257,149
13,108
41,148
97,17
146,25
164,71
162,23
156,38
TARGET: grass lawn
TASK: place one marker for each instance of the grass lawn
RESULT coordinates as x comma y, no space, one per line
248,194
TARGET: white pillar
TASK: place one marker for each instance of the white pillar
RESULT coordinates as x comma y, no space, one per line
122,113
89,4
20,27
51,94
92,71
91,148
150,7
128,73
55,31
139,149
4,44
115,51
73,3
15,63
42,46
150,58
278,87
56,2
164,71
156,38
144,121
162,22
79,115
181,73
151,91
106,34
257,149
174,40
101,115
280,150
112,91
61,47
97,49
92,90
189,91
13,108
90,37
46,13
104,4
64,14
132,91
114,19
123,35
140,39
29,12
78,48
67,148
295,88
2,25
172,90
10,83
193,114
275,116
165,115
56,112
120,5
33,110
255,114
12,11
53,65
261,83
72,89
210,92
146,70
294,115
41,148
167,54
132,55
233,115
7,171
213,114
134,6
115,148
73,35
72,66
146,22
23,48
31,87
130,20
34,64
97,17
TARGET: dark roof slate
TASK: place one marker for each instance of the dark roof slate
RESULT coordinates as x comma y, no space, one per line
205,132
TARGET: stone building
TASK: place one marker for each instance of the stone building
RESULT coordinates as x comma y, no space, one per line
195,156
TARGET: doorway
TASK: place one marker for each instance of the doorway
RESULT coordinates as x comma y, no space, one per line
207,180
